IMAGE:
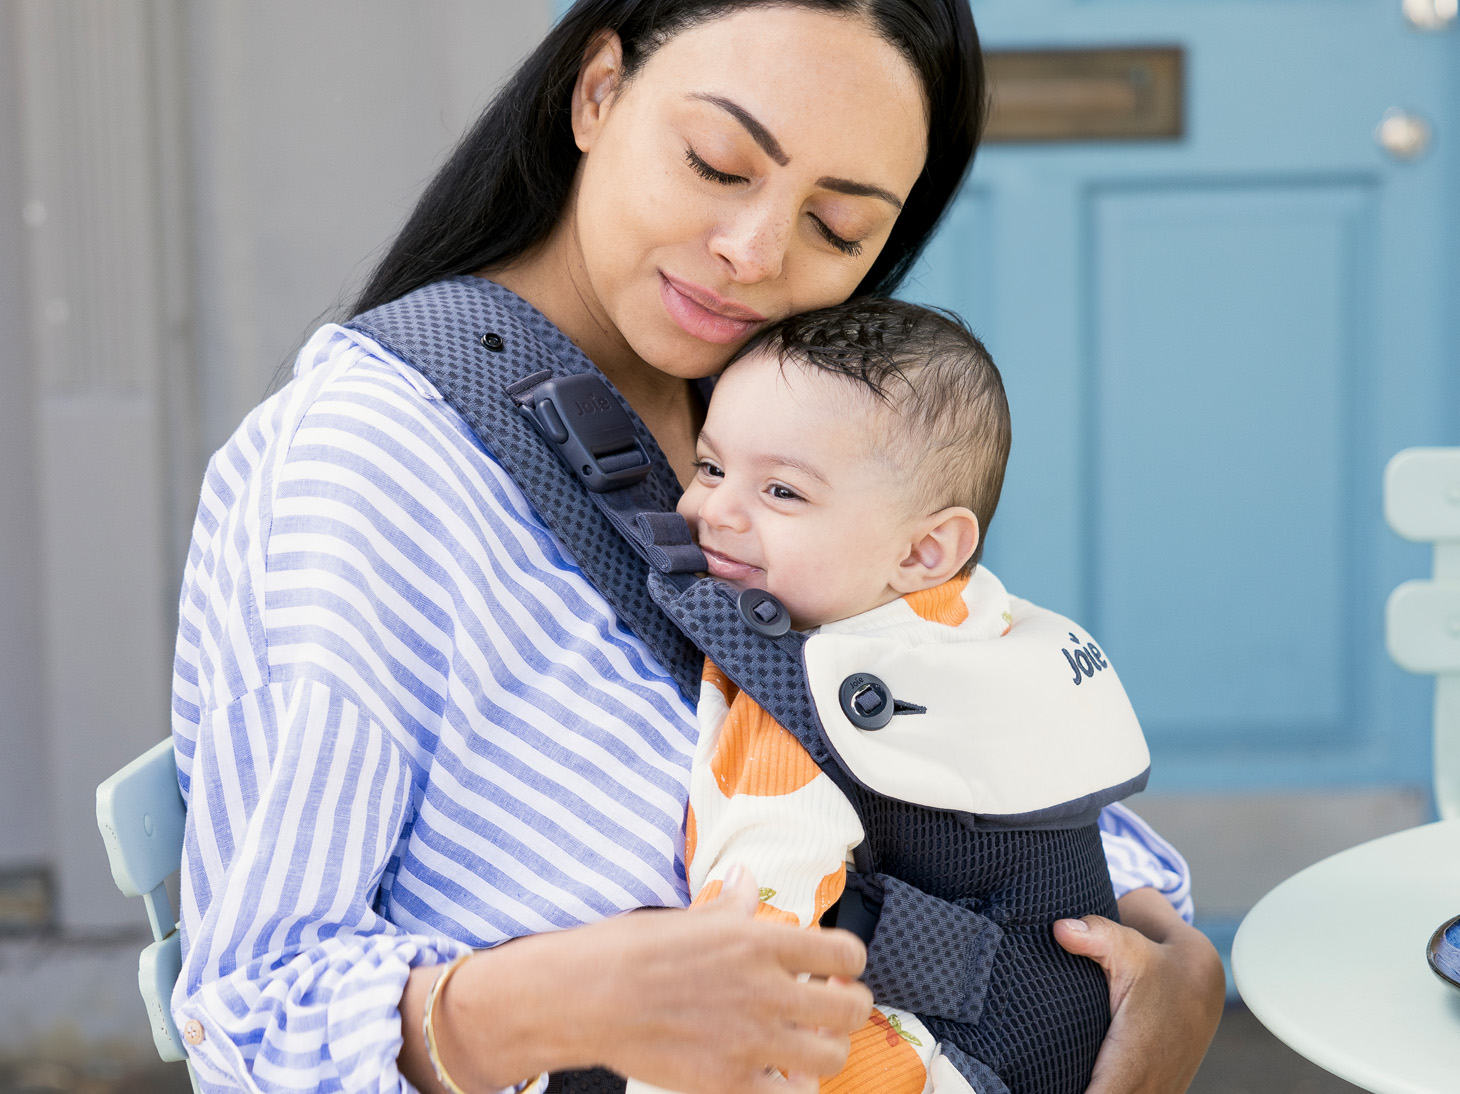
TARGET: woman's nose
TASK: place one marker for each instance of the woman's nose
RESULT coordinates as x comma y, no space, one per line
753,244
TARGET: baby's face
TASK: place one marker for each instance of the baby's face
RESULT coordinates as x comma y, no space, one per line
790,495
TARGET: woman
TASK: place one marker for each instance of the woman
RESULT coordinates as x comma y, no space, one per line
406,725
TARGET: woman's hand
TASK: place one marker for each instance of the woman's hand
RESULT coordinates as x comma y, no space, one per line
1166,994
702,1001
718,1000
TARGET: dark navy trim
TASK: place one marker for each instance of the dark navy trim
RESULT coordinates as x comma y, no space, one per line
1071,814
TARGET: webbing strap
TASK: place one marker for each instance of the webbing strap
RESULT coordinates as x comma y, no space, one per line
473,340
770,670
931,956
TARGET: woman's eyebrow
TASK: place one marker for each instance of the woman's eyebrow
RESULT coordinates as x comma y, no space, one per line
860,190
759,133
772,148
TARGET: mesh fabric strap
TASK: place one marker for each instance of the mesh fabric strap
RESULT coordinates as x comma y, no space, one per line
442,331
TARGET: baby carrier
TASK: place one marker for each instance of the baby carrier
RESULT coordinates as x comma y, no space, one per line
955,897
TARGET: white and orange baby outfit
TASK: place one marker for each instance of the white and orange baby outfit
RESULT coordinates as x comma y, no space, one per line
758,800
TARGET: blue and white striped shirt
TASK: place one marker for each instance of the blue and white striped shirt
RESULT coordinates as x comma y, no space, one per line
407,725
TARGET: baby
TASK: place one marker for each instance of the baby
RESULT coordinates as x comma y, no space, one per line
850,463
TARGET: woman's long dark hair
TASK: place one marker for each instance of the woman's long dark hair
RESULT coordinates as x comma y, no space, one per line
505,185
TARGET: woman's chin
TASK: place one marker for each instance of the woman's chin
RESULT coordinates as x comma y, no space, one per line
685,358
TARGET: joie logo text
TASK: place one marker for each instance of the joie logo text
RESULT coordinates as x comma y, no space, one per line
590,405
1086,660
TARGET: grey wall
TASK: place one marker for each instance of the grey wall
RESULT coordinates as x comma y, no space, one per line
185,187
314,127
24,804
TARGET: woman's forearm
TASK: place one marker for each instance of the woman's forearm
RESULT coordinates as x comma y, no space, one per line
1148,911
702,1000
504,1016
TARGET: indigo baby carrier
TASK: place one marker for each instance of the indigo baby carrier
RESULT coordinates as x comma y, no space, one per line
954,891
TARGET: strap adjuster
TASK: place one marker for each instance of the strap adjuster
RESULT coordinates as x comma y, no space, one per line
589,430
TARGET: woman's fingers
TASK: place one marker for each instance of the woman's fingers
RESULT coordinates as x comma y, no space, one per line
808,1054
833,1006
705,1000
1166,990
823,954
1124,954
739,891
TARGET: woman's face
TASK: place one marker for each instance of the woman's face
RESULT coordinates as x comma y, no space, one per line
752,169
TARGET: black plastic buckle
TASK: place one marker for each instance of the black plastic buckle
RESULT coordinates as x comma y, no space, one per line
866,701
763,613
590,431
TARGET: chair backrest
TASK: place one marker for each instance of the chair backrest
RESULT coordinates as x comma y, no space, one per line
1422,618
141,815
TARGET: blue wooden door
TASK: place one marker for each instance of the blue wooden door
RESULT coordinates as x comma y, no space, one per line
1212,345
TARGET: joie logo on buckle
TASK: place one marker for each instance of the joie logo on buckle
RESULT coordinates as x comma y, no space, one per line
593,404
589,430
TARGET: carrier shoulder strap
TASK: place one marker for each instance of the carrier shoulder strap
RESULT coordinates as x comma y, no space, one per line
518,382
500,363
541,407
599,481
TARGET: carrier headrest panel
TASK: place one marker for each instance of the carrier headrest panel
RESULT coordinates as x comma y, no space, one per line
1015,726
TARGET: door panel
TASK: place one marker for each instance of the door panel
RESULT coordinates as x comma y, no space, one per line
1234,309
1212,345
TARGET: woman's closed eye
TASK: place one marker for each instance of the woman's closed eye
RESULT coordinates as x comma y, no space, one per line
712,174
849,247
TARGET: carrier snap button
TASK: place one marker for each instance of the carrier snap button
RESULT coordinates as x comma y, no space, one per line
763,613
866,701
493,341
192,1032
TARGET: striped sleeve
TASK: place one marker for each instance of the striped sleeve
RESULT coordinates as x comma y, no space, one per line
406,726
293,977
1139,858
299,794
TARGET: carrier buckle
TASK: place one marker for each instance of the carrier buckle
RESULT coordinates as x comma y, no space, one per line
589,430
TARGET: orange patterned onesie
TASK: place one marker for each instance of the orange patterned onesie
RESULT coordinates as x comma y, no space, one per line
757,799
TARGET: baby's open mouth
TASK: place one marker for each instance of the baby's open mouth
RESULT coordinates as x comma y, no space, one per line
727,568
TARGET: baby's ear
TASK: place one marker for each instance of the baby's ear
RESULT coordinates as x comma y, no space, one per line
941,544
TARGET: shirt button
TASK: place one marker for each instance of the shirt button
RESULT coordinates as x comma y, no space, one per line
192,1032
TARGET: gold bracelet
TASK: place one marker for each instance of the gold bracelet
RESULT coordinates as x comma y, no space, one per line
534,1085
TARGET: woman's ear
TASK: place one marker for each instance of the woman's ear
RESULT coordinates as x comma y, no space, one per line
941,544
598,79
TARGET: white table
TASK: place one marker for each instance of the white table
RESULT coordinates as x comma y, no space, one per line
1332,961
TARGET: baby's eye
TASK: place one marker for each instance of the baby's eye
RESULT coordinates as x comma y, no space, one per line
709,469
784,493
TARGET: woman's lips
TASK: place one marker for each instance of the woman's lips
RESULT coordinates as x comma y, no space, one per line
726,568
703,314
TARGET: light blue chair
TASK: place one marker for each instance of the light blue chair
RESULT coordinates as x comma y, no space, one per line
141,814
1422,618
